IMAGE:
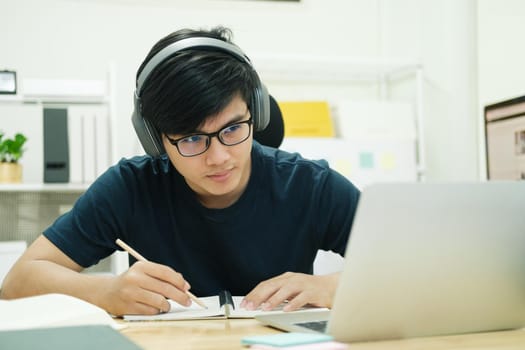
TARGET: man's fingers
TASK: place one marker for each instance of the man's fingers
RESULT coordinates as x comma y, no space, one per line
296,302
282,295
145,302
269,294
164,273
165,290
297,289
160,279
262,292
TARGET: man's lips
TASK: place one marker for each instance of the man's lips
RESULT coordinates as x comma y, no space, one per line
220,175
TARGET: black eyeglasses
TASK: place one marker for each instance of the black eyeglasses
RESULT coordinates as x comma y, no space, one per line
231,135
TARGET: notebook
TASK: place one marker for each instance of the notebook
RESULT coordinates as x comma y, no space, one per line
51,310
223,305
427,259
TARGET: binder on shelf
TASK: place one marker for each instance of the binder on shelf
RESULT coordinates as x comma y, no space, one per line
307,119
56,148
76,145
89,154
102,141
89,142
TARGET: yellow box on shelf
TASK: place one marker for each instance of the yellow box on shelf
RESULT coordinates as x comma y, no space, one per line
307,119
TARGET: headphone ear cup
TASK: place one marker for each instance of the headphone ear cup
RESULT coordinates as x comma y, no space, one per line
260,108
149,138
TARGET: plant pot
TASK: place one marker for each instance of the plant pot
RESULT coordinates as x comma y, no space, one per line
10,172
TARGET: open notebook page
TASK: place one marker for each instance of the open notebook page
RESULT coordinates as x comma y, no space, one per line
214,310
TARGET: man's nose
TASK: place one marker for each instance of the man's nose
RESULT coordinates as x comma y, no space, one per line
217,152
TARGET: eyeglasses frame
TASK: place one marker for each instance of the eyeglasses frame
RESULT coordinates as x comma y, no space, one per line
175,142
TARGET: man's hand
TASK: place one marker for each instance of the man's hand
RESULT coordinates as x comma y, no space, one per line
296,289
143,289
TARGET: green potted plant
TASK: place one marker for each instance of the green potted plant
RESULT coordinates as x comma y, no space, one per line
11,150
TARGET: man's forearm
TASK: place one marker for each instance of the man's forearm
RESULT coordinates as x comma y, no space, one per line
34,277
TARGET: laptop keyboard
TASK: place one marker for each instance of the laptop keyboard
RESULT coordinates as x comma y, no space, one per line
318,326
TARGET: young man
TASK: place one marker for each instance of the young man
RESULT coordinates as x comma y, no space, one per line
209,208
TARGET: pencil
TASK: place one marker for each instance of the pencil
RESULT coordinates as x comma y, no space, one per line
139,257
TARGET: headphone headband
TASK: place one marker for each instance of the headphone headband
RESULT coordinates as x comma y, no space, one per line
193,43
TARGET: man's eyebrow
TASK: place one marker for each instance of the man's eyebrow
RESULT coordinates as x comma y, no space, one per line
235,119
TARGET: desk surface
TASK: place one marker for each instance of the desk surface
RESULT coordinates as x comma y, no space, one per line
227,334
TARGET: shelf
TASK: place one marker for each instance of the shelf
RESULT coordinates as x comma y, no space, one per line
44,187
60,91
330,68
18,99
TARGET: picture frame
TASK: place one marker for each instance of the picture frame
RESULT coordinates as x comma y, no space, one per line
8,82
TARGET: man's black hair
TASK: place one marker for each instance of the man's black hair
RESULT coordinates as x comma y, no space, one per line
193,84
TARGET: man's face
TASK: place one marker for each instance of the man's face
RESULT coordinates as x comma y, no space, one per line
220,174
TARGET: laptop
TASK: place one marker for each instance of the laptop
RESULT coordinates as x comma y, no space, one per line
427,259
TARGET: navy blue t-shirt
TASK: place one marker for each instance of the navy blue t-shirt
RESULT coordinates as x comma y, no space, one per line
291,208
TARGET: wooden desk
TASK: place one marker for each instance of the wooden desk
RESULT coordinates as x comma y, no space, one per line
227,334
196,334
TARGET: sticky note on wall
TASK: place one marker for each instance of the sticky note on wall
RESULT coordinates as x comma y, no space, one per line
388,161
307,119
366,160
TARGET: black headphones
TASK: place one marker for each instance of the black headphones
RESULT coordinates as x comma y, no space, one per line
148,136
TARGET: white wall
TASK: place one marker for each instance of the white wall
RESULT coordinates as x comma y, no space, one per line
501,72
78,39
442,34
501,50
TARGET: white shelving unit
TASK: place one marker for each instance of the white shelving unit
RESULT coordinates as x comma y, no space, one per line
38,94
346,71
30,207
